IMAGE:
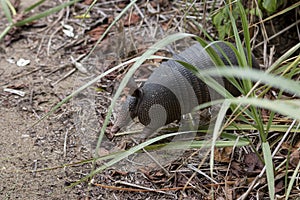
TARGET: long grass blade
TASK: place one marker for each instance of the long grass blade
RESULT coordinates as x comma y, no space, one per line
290,108
292,180
216,133
6,30
282,83
269,169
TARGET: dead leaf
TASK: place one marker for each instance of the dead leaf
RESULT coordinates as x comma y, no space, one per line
132,19
236,168
223,155
294,158
88,2
279,186
252,162
97,32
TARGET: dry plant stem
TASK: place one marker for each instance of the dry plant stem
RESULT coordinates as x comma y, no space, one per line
130,32
185,14
142,15
265,56
232,154
194,174
65,143
34,167
142,187
253,39
298,32
281,32
152,158
26,74
271,55
283,138
65,76
50,39
60,16
202,173
137,190
244,196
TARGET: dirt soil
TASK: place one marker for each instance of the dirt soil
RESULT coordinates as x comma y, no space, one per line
41,161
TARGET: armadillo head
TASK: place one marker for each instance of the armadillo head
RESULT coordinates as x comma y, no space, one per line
153,104
128,111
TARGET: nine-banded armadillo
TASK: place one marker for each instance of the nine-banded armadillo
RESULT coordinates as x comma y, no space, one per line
172,90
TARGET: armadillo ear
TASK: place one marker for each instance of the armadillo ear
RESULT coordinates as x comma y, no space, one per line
134,102
138,93
131,85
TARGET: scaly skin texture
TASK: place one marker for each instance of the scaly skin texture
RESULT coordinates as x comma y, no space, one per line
172,90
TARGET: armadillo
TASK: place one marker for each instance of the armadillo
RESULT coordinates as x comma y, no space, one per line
172,90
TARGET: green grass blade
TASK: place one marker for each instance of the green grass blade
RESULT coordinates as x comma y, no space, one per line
198,144
269,169
292,180
34,6
284,57
6,30
290,108
45,13
92,5
256,75
284,11
246,32
216,132
6,10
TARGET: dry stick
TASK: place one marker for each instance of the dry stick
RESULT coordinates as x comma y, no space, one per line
283,138
25,74
143,189
50,39
65,76
202,173
244,196
141,14
65,143
271,55
189,8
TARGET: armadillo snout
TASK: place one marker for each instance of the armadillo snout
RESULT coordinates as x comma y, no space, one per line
125,114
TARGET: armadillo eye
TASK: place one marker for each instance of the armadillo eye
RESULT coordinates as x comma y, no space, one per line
132,103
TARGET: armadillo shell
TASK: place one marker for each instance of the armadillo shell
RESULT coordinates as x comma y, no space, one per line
155,109
172,90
